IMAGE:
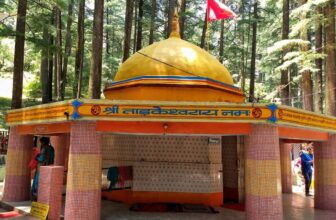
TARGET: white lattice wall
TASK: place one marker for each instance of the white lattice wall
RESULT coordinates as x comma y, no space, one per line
166,163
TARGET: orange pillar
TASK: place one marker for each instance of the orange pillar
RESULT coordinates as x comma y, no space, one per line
286,167
262,173
325,175
17,180
83,193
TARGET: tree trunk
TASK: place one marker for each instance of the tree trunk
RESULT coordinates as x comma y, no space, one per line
50,67
242,57
58,56
139,32
319,65
254,48
107,34
221,40
183,5
44,68
97,50
128,28
171,10
19,55
135,25
67,50
152,22
284,92
307,87
80,51
204,31
330,59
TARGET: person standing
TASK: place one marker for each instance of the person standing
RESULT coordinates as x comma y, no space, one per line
44,158
306,166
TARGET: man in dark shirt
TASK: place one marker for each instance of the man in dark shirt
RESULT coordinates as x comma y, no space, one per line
306,166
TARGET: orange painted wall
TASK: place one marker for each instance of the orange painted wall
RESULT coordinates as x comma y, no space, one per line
174,127
131,197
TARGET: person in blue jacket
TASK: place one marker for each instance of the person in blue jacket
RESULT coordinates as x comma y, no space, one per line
307,160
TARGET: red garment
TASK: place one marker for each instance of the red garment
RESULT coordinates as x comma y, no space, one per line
33,162
216,10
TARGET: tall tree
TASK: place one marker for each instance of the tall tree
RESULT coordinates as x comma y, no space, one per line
183,5
97,50
221,40
254,50
79,51
128,28
319,65
19,54
330,59
284,92
171,11
204,31
58,55
67,50
135,25
307,87
242,40
44,68
152,22
139,31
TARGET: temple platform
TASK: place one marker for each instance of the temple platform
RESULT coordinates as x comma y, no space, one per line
296,207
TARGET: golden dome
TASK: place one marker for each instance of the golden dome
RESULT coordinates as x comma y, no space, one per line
173,57
173,70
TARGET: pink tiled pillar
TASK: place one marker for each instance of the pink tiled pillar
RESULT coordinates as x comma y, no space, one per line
262,173
83,199
60,144
325,174
50,189
286,167
17,180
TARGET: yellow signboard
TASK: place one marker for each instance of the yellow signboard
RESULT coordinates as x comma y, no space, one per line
39,210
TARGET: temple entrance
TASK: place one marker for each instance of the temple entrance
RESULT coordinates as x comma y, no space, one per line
233,171
165,169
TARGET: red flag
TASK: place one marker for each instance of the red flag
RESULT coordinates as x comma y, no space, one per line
217,10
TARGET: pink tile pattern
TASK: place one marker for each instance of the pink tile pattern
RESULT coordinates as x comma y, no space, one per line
286,167
50,189
17,187
83,205
325,175
81,202
85,138
261,143
262,146
263,208
61,145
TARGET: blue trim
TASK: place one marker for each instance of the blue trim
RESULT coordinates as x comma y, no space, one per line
182,78
76,105
273,107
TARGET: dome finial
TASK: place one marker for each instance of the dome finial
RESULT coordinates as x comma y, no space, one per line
175,31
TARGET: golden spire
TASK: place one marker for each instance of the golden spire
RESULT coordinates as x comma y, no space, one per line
175,27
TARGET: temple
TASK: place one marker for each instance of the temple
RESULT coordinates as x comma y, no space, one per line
175,117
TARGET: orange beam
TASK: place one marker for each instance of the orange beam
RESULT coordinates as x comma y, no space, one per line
174,127
302,134
55,128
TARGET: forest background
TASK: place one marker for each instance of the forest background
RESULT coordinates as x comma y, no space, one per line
277,51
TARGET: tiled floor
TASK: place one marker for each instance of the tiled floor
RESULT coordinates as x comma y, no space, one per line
296,207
